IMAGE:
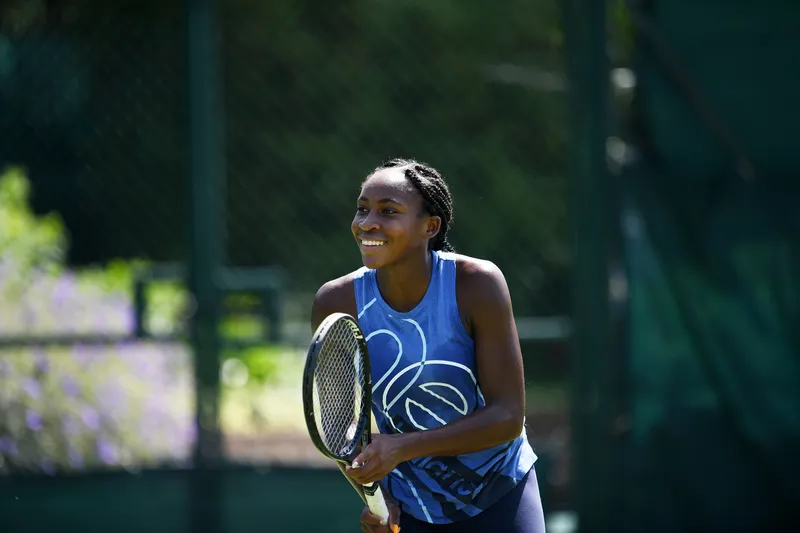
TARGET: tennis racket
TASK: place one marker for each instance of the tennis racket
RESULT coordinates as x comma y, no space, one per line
337,398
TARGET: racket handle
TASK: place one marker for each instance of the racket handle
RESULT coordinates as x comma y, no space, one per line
376,502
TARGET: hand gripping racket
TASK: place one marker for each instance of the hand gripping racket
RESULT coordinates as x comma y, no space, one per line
337,397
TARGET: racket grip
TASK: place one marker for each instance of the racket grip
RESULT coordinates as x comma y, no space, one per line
376,502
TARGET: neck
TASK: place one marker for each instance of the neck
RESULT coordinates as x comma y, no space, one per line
403,285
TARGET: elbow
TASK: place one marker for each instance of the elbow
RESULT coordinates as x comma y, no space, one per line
511,422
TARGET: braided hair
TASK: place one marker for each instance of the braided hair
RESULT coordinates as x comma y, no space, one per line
436,198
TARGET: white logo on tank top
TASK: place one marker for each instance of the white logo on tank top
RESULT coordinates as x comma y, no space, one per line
440,396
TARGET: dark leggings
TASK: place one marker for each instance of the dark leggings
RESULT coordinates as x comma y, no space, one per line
519,511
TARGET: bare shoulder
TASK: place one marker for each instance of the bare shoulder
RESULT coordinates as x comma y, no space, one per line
480,278
334,296
482,292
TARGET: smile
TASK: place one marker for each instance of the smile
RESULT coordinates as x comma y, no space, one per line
372,244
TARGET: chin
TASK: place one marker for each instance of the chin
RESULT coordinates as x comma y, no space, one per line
371,262
374,261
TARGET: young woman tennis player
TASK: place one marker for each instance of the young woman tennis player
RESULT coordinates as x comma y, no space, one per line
448,387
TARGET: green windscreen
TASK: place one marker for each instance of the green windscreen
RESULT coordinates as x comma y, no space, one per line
713,256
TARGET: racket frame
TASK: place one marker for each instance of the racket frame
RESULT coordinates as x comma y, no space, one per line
371,494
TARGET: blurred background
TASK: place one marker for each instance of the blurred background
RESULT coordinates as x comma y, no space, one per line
177,180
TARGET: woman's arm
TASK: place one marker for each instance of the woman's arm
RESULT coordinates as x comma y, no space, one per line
335,296
500,375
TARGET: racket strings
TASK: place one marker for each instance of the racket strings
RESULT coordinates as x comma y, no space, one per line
339,381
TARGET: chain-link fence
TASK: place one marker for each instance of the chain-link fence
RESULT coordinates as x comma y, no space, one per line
95,371
318,96
94,174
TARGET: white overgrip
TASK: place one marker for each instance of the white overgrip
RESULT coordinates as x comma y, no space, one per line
377,504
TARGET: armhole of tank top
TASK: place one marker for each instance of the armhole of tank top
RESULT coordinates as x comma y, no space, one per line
455,310
361,292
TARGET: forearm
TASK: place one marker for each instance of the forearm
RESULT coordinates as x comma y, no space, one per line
481,429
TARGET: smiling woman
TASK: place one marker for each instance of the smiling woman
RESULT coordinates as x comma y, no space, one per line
394,190
448,388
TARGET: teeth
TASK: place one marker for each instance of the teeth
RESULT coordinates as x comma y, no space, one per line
372,243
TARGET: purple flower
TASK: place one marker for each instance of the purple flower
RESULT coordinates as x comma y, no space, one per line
143,410
106,452
74,458
64,290
127,318
32,388
91,418
48,467
70,426
186,437
80,355
33,420
42,362
8,446
70,387
29,317
101,321
110,396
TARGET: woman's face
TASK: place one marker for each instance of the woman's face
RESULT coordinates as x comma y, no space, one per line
390,222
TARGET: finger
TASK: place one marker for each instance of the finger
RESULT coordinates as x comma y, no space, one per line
370,474
358,464
365,514
367,474
394,514
369,519
361,459
358,474
365,456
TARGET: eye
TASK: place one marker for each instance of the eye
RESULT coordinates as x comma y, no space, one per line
388,211
362,210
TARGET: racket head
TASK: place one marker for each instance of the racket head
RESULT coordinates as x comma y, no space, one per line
337,388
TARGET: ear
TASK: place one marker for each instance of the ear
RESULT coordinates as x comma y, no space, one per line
433,226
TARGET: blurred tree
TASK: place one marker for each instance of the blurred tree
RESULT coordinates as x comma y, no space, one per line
315,96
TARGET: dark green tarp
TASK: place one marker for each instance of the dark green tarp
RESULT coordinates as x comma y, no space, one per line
713,256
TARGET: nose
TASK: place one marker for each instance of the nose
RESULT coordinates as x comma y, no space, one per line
368,222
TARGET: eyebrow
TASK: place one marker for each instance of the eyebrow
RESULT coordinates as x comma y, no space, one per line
383,200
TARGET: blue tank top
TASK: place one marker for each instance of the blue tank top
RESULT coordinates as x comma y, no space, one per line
424,376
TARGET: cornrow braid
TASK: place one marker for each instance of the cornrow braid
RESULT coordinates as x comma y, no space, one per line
436,197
